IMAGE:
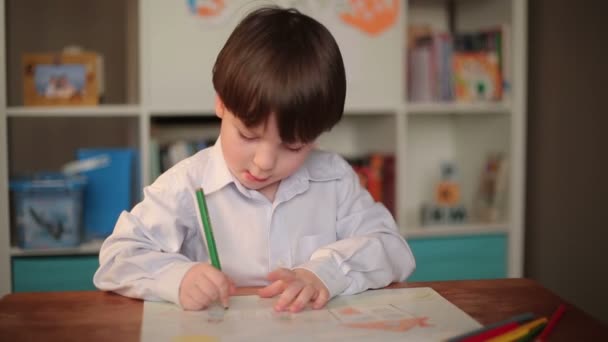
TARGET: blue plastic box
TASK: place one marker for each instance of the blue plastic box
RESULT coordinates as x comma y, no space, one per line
47,210
109,189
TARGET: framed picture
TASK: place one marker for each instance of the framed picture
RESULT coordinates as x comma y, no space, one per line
60,79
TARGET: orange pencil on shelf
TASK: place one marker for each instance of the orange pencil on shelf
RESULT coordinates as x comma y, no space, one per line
552,322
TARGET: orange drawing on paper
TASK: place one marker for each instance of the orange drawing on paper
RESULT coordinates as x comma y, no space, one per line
349,311
371,16
400,325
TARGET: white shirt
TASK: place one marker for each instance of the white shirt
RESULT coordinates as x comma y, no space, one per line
321,220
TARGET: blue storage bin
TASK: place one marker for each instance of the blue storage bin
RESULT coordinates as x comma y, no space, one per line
47,210
109,189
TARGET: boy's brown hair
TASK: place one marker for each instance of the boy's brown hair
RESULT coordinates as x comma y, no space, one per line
279,61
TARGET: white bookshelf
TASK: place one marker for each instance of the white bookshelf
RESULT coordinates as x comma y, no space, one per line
5,257
85,111
458,108
451,230
160,82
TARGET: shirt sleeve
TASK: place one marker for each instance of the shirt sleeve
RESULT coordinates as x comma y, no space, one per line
141,258
369,251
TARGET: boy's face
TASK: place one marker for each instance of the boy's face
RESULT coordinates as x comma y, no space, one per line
256,156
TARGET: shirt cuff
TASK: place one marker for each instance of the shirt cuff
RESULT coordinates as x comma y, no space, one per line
327,270
169,281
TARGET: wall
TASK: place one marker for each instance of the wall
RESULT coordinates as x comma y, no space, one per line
567,176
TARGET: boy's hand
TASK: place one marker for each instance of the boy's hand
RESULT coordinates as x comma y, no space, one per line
297,288
203,284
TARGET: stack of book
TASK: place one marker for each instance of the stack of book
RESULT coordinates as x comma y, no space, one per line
376,173
461,67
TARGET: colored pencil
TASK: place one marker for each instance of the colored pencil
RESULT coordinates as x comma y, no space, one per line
211,248
485,335
216,311
520,332
552,322
519,319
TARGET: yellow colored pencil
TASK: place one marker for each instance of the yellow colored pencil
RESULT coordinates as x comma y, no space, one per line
519,332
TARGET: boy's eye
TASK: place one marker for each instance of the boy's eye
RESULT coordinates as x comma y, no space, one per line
295,148
246,137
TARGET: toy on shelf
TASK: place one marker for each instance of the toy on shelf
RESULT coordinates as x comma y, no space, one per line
446,207
490,199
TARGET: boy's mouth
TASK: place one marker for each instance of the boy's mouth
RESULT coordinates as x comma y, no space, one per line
253,178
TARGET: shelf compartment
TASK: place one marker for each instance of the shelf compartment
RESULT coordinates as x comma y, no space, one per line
359,135
464,140
49,26
47,143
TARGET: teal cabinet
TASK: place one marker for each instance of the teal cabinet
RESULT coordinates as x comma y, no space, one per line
437,258
459,257
54,273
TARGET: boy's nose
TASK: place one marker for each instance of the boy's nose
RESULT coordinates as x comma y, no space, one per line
265,158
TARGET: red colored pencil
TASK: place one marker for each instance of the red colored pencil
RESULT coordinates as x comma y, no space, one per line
484,335
552,322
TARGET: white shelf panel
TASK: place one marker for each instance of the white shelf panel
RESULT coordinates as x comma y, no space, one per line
169,112
360,109
74,111
88,248
451,230
458,108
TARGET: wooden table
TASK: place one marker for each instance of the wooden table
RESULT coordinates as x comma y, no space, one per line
100,316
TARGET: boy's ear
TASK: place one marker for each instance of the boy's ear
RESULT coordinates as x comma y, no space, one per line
219,107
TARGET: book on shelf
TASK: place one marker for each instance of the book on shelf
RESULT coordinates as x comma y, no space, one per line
476,76
376,173
463,66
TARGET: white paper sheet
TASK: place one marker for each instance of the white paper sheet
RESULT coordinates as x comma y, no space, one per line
414,314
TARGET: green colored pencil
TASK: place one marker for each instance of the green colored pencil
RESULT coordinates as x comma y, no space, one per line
211,248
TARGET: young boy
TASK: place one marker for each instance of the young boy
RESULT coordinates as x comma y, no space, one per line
286,217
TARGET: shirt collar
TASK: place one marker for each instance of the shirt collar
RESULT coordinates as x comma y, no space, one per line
319,167
216,174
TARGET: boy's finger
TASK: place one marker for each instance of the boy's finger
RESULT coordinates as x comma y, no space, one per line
303,298
221,283
288,295
196,299
321,300
223,286
206,287
284,274
232,289
272,290
223,295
